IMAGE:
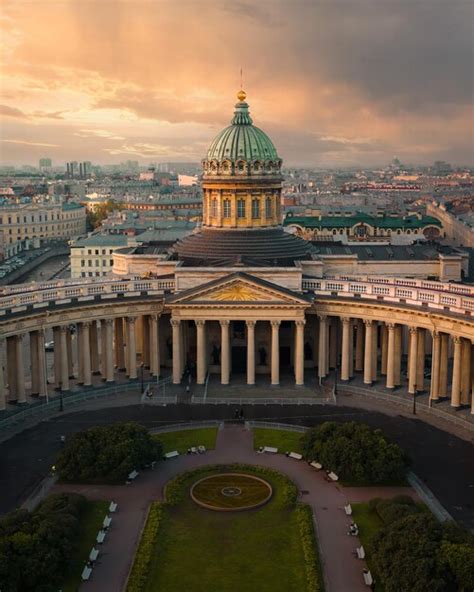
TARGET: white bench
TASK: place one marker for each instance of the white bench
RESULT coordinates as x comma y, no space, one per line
316,465
86,573
93,554
172,454
333,476
360,552
113,507
106,522
295,455
348,510
100,536
201,449
133,475
270,449
368,579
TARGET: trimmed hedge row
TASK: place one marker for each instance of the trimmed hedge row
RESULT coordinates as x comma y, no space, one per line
304,518
141,564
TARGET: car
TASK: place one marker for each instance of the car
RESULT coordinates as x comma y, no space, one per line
49,346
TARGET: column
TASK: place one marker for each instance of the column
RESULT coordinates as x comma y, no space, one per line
384,348
275,352
322,349
225,352
176,329
443,365
103,349
333,343
80,356
108,329
70,363
359,356
420,364
368,356
412,364
299,353
472,378
3,399
155,364
375,351
57,355
94,347
34,361
146,341
86,354
42,377
466,371
201,351
351,349
64,365
251,352
119,345
20,371
390,356
398,356
11,368
346,340
456,384
435,366
132,348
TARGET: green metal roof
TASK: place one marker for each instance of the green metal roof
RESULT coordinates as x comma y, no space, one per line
349,221
242,140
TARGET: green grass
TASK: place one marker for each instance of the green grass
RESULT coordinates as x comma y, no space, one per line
252,491
369,524
90,523
185,439
281,439
256,551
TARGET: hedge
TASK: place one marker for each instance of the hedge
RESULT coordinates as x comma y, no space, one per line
139,574
304,518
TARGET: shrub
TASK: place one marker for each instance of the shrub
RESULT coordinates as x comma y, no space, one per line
304,517
139,573
355,452
107,453
390,511
36,547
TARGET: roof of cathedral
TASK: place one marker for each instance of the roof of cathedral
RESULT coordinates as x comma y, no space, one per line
241,139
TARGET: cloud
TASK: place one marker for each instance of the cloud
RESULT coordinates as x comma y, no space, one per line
98,133
12,112
27,143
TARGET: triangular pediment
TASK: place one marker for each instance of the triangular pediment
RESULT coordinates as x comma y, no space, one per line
238,288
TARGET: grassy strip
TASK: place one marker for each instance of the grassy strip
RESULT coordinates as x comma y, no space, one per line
314,573
185,439
285,441
141,564
369,524
90,524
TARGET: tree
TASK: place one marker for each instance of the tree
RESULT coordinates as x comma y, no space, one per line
459,558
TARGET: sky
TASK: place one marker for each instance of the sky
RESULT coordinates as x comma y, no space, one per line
333,82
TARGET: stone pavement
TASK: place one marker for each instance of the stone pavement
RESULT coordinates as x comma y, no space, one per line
342,571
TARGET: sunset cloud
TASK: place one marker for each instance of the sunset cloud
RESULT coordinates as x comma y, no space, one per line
336,82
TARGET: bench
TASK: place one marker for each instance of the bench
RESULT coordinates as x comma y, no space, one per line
100,536
270,449
348,510
360,552
113,507
133,475
172,454
86,573
368,579
333,476
316,465
93,554
106,522
201,449
295,455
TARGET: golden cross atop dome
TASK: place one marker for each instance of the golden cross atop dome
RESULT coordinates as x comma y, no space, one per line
241,95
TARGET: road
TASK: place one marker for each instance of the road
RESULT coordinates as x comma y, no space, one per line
444,462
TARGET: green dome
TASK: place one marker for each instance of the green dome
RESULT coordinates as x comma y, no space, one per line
242,140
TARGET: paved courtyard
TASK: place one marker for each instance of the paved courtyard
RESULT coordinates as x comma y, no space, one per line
343,572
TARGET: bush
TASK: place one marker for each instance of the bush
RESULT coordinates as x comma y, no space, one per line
395,509
304,517
356,452
36,547
139,573
107,453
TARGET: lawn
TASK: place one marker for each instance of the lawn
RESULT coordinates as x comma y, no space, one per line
369,523
90,523
257,551
185,439
285,441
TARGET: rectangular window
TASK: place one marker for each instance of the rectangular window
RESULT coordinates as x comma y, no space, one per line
214,207
268,207
240,208
255,208
226,208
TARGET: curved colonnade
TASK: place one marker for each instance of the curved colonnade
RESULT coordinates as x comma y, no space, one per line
372,327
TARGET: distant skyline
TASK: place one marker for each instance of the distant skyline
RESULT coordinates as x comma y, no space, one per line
333,82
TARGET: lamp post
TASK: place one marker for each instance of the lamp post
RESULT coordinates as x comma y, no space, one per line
142,365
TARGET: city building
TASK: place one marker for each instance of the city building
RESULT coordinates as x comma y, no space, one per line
92,256
457,229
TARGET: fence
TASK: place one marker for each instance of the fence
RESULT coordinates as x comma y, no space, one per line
262,401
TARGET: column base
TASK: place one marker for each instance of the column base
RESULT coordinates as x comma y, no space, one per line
110,382
390,388
96,373
368,383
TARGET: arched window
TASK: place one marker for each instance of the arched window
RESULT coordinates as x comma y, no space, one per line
268,207
226,208
334,231
255,208
240,208
214,207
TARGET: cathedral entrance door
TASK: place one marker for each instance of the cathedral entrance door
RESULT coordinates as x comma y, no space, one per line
239,359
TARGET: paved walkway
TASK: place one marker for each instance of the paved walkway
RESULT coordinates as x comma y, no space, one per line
342,571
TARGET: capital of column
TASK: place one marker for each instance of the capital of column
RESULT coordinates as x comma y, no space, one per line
457,339
19,337
86,323
108,322
250,323
300,323
224,323
131,320
413,330
175,322
345,320
435,334
63,329
200,323
390,326
322,317
367,322
275,323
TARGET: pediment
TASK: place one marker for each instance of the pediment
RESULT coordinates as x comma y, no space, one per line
239,288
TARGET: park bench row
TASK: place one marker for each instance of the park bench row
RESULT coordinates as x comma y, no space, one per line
87,571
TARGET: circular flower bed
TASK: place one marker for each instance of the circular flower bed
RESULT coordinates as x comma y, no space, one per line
229,492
